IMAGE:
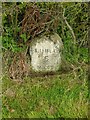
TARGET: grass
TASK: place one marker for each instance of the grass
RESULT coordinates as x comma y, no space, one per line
64,95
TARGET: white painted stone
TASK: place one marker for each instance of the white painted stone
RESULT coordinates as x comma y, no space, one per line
46,53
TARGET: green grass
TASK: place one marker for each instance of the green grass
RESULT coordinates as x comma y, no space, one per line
63,95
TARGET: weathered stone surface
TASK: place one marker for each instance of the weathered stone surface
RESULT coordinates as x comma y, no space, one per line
46,53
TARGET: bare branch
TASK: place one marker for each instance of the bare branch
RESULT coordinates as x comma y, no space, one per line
70,28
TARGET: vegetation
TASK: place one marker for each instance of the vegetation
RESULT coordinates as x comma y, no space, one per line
60,95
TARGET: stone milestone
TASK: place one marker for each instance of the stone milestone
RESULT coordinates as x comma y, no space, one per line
46,53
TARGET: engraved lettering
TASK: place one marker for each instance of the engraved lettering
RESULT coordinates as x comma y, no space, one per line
35,50
46,58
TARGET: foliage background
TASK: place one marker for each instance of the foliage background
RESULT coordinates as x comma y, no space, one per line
75,13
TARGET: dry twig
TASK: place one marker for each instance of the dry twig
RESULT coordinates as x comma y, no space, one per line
70,28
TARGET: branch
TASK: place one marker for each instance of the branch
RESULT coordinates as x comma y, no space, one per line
83,39
70,28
